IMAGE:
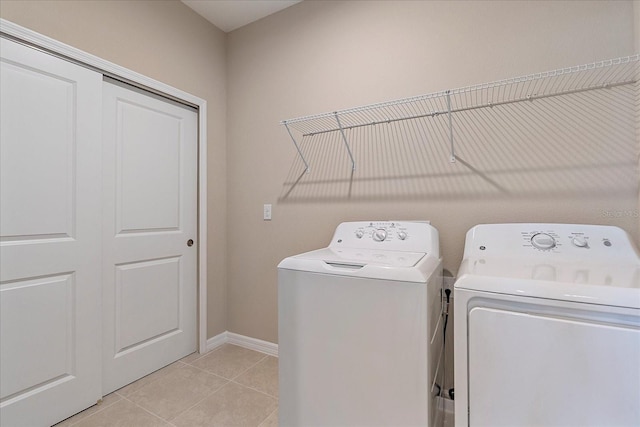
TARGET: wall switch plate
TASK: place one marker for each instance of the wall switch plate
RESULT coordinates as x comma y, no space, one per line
267,212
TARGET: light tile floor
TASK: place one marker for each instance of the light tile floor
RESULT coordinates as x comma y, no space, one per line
229,386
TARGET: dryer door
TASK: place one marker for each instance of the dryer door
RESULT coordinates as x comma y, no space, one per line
552,369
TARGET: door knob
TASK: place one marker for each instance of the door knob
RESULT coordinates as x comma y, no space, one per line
190,242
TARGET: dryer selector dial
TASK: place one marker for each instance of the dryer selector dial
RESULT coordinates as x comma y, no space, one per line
580,242
543,241
379,235
402,235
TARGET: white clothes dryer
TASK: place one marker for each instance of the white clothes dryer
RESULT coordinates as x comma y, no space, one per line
547,327
359,328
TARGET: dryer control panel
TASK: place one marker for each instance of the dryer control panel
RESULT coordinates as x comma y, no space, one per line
408,236
560,241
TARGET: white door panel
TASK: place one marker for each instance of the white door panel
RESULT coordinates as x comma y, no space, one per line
51,297
50,209
150,184
148,169
136,282
46,175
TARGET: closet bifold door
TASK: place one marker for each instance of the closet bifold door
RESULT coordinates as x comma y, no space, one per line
150,224
50,210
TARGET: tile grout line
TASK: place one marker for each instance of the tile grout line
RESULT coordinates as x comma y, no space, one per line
250,367
190,407
254,389
72,423
209,372
233,380
228,381
268,416
180,364
148,411
152,381
205,371
200,356
124,397
204,398
264,356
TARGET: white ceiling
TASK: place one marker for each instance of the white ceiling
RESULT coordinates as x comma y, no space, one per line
231,14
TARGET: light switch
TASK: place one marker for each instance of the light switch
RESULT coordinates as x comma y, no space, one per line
267,212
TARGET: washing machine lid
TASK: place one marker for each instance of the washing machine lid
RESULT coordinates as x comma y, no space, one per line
362,257
604,284
366,263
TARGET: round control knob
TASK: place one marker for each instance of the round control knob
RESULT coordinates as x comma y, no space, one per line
380,235
402,235
543,241
580,242
359,234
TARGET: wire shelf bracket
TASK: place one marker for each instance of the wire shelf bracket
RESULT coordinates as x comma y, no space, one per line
452,159
346,143
306,165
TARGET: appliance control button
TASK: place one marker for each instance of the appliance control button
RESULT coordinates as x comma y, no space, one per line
402,235
543,241
580,242
380,235
359,234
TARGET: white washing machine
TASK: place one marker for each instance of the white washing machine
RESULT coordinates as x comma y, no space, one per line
547,327
358,326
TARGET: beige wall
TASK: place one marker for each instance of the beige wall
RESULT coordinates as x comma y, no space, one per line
169,42
320,56
636,24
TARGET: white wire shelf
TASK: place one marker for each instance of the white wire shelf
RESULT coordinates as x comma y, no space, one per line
598,75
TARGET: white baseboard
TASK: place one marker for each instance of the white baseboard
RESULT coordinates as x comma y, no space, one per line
216,341
227,337
265,347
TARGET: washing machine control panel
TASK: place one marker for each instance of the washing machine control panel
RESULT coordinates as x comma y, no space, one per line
562,241
412,236
382,231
